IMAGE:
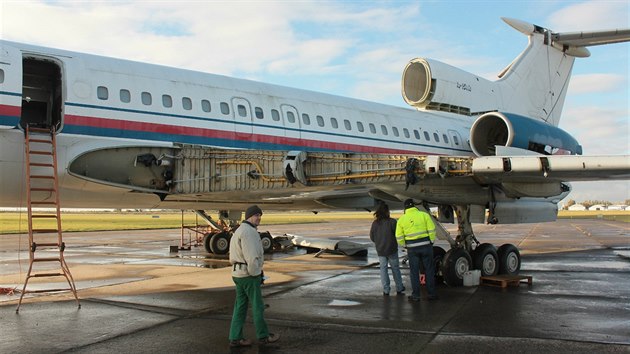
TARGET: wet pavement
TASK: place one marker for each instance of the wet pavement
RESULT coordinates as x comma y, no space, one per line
136,296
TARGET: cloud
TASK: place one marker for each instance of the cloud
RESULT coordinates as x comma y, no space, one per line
591,15
596,83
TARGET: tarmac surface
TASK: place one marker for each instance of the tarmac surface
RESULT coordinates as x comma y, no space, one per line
138,297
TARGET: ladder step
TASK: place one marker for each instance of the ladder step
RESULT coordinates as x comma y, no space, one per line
40,152
44,216
45,177
45,231
41,130
47,259
40,189
31,140
49,244
44,203
45,275
39,164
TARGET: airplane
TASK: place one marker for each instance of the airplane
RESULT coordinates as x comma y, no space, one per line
137,135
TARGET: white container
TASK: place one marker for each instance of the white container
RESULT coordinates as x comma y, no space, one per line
471,277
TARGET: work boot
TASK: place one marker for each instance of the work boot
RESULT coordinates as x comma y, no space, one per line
240,343
272,338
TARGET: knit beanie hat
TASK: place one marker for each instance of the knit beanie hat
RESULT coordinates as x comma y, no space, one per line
252,210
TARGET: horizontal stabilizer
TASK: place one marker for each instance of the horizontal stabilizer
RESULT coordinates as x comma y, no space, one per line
585,39
572,43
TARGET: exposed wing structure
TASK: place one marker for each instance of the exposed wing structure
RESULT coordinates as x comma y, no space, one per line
335,180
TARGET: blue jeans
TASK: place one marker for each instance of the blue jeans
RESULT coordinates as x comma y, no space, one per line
392,259
416,255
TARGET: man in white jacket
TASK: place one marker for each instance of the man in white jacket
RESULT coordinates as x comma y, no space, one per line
246,258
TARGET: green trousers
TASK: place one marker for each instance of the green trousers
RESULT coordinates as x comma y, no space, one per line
248,290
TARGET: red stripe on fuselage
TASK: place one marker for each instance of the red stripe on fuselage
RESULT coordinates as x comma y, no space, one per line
7,110
222,134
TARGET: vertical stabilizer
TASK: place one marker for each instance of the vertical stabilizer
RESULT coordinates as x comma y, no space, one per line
535,84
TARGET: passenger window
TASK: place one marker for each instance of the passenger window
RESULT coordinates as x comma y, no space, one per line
205,106
416,134
259,113
455,140
372,128
146,98
125,96
384,129
102,93
426,136
333,122
2,77
306,119
320,121
360,127
445,138
187,103
225,108
395,131
275,115
242,111
167,101
406,133
291,117
436,137
347,124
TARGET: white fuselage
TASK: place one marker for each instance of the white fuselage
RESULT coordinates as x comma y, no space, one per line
110,102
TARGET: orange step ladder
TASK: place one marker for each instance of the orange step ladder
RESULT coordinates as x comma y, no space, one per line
44,223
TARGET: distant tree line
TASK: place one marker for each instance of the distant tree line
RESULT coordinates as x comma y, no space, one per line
589,203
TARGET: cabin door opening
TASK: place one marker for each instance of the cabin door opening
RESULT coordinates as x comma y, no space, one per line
42,98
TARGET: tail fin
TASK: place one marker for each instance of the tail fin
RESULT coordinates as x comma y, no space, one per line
535,83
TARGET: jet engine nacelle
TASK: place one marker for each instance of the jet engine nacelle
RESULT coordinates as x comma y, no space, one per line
507,129
433,85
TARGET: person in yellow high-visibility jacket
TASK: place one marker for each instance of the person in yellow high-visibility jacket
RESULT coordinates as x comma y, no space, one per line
416,232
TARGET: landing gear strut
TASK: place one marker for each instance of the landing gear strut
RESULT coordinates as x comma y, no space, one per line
468,253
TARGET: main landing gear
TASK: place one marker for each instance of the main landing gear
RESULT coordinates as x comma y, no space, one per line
217,239
467,253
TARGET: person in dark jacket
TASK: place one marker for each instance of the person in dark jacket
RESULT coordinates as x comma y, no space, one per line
383,234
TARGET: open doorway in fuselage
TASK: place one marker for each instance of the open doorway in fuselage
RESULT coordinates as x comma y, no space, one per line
42,94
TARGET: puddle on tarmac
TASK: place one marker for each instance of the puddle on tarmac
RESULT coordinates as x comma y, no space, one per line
343,303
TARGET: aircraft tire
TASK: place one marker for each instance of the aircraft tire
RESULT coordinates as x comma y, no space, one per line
206,242
486,259
509,259
220,243
267,241
456,262
438,258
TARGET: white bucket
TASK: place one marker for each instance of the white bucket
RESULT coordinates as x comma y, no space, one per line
471,277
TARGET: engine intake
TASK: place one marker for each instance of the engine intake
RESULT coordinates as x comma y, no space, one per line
433,85
507,129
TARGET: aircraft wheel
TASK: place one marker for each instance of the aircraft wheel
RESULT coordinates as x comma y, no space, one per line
456,263
486,259
220,243
509,259
267,241
438,257
206,242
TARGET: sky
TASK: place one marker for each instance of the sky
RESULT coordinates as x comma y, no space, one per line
351,48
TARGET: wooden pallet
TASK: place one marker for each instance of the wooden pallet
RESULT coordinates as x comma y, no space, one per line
503,281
